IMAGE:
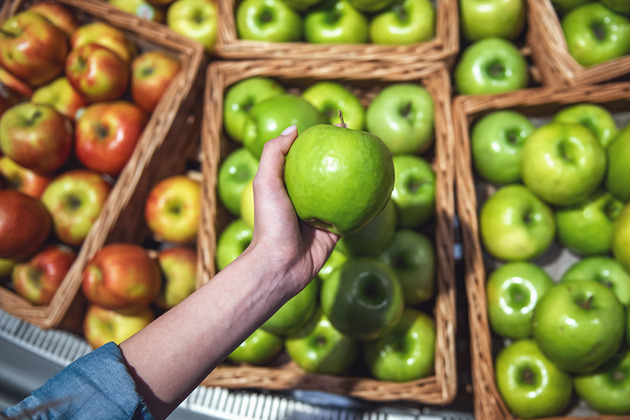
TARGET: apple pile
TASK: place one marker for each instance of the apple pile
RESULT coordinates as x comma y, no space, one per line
384,267
595,31
562,182
382,22
81,94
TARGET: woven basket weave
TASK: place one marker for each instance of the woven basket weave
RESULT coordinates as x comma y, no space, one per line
443,47
538,104
173,115
365,79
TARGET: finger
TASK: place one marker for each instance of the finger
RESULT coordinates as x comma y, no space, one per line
272,158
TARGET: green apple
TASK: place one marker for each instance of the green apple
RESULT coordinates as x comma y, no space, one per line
481,19
405,22
496,145
621,238
595,117
512,291
330,97
335,22
596,34
530,384
621,6
370,6
320,348
412,256
301,5
268,20
259,348
563,163
605,270
296,312
563,6
403,116
490,66
375,237
336,259
362,298
178,266
607,389
267,119
618,170
247,204
235,172
233,240
338,178
586,228
241,97
414,191
579,325
406,352
195,19
515,224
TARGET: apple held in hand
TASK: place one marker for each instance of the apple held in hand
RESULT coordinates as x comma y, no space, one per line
151,74
257,349
295,313
406,352
606,390
36,137
618,169
592,116
515,224
604,270
22,179
490,66
107,135
97,73
563,163
75,199
403,116
101,325
414,191
595,34
236,170
337,178
513,290
121,276
268,118
320,348
362,298
530,384
335,22
38,279
268,20
195,19
241,97
330,97
233,240
32,48
492,18
373,238
178,266
405,22
579,325
105,35
58,14
60,95
586,228
496,143
173,209
24,225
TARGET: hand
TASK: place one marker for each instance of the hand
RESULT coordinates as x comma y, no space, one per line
298,248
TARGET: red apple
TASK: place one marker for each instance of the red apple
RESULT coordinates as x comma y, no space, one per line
23,179
107,134
32,48
179,271
36,136
24,225
121,276
151,74
58,14
60,95
101,325
20,88
105,35
75,199
97,73
38,279
8,99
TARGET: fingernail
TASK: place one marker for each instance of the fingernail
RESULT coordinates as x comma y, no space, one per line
289,130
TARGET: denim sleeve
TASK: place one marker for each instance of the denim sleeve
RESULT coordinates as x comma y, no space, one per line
95,386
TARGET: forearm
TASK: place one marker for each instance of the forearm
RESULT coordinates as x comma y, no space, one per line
170,357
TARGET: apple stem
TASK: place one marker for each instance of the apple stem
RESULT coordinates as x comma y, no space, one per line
340,114
587,303
8,33
528,376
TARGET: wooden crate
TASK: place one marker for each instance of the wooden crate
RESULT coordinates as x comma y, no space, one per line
538,104
160,140
365,80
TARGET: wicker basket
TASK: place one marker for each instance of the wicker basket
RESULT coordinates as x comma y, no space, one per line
443,47
549,48
538,104
365,79
174,115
